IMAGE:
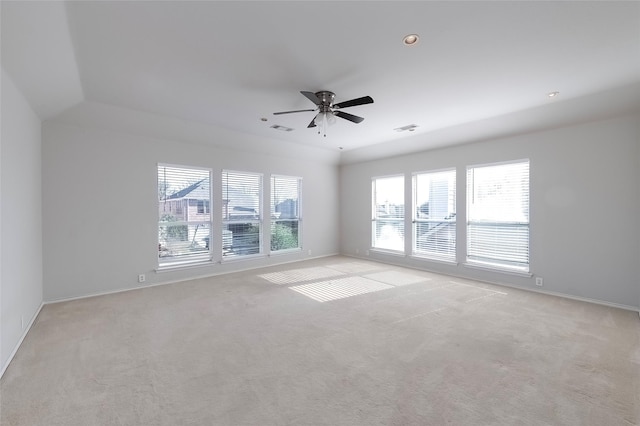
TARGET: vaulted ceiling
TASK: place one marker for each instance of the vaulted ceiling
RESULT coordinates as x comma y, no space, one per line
479,70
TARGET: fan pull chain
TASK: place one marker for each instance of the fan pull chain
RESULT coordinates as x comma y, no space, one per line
323,127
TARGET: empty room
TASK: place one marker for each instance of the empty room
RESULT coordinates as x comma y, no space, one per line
320,213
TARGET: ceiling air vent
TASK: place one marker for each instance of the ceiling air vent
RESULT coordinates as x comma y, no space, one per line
282,128
409,127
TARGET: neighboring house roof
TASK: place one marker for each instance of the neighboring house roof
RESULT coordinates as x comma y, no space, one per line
236,199
198,191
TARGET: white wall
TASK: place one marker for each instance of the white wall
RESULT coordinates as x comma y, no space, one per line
638,188
20,219
585,207
100,206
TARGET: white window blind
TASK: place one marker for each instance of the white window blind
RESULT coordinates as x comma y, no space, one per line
241,213
184,229
498,215
388,213
434,215
285,212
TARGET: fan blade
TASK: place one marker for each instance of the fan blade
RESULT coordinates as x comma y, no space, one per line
289,112
312,97
313,123
354,102
348,116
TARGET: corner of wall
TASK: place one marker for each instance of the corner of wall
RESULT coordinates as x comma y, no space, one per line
21,281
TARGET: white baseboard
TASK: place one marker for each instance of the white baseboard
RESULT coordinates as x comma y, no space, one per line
24,334
535,290
578,298
193,277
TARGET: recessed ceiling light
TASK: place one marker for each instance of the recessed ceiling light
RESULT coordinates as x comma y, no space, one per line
553,94
410,39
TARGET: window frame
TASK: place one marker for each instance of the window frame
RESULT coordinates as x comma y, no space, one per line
227,254
196,259
375,219
275,220
416,220
496,264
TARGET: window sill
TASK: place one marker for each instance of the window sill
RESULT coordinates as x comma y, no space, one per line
240,258
285,251
509,271
184,265
434,259
387,252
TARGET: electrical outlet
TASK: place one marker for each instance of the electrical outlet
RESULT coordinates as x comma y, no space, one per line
539,281
309,252
367,252
141,278
357,251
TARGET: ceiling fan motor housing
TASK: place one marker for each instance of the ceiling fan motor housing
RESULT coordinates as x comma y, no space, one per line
326,100
323,100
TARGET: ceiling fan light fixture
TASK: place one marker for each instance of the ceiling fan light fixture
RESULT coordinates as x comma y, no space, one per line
326,117
410,40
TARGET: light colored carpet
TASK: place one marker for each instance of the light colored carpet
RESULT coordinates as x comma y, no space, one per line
363,344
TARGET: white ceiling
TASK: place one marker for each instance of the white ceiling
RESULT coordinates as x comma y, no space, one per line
481,69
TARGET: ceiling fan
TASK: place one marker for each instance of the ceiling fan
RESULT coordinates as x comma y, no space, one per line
327,110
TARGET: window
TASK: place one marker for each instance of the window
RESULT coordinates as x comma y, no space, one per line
241,213
388,213
498,215
203,207
184,232
434,215
285,213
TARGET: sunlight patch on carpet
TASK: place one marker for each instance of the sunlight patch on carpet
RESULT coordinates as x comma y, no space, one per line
396,278
295,276
341,288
